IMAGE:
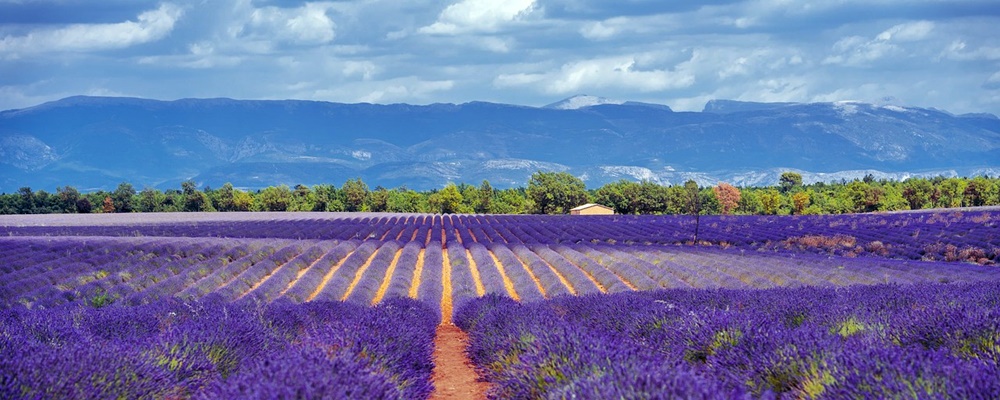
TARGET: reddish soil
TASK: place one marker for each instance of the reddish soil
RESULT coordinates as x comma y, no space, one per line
454,376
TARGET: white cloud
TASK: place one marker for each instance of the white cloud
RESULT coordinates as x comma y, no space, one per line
859,51
957,50
600,73
365,69
908,32
993,82
149,26
519,79
405,90
479,16
306,25
598,30
201,55
793,88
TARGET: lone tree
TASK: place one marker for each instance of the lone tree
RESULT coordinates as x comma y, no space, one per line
555,192
728,195
789,181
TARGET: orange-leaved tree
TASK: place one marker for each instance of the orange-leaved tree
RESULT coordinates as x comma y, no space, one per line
728,195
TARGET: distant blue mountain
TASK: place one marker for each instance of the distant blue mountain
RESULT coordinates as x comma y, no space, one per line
97,142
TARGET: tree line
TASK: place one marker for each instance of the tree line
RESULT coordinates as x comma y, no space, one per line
545,193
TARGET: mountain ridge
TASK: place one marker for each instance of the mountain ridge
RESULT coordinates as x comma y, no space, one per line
97,142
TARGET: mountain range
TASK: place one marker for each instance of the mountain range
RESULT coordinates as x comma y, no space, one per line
97,142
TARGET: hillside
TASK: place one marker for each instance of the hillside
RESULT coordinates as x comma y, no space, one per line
97,142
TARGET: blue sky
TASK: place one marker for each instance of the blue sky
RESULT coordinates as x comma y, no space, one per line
931,53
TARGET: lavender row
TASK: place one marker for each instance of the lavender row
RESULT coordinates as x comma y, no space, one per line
279,280
371,279
463,285
175,284
551,283
311,281
337,286
406,265
431,290
221,276
489,273
884,341
581,281
520,276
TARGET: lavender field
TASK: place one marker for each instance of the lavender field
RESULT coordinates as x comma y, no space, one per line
235,304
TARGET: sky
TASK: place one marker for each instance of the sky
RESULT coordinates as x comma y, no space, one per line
943,54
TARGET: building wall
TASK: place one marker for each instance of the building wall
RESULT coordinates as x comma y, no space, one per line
593,211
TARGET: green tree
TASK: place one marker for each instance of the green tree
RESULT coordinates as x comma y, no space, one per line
224,198
692,198
68,197
303,199
328,198
448,201
800,201
865,196
952,192
770,202
378,200
509,201
242,201
678,200
124,198
892,198
628,197
485,197
789,181
708,203
26,203
622,195
355,194
274,198
194,199
979,192
150,200
555,192
749,202
404,200
84,206
917,192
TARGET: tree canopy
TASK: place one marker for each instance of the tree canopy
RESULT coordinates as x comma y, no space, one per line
546,193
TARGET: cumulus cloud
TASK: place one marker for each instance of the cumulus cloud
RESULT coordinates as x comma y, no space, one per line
857,50
149,26
600,73
306,25
516,51
479,16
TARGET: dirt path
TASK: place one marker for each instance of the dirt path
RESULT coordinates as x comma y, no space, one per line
454,376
